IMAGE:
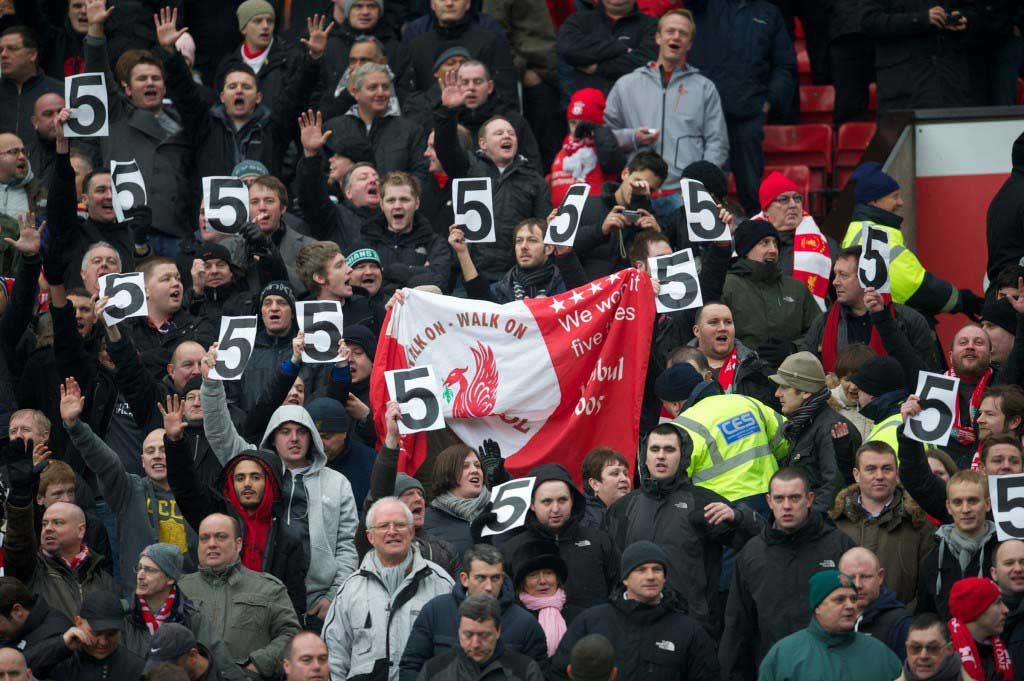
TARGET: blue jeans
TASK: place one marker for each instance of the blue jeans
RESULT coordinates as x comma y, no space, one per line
167,246
746,159
109,520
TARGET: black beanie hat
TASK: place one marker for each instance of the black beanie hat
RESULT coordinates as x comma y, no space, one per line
1001,313
750,232
879,375
676,383
639,553
194,383
278,288
709,175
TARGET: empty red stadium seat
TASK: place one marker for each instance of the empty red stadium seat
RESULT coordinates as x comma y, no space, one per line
807,144
817,103
851,142
803,67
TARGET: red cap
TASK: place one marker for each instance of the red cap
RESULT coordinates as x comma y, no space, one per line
776,183
587,105
971,596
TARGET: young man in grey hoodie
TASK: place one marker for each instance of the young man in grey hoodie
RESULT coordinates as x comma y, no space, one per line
317,501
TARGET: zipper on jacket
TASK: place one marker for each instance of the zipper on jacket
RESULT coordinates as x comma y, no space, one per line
664,103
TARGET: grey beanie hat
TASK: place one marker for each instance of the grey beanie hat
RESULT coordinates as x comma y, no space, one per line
251,8
167,557
404,483
349,3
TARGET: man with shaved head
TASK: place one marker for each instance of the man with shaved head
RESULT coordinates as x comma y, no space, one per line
43,152
879,613
13,666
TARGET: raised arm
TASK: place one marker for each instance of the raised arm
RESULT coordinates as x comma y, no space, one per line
446,142
217,425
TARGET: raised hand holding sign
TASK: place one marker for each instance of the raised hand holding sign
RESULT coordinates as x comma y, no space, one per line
703,217
86,97
937,394
873,269
473,204
129,187
127,294
563,227
677,274
322,322
234,347
225,203
418,395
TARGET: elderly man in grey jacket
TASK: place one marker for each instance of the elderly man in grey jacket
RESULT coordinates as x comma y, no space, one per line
667,106
318,501
370,621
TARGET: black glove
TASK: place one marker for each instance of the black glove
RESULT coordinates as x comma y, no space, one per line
141,220
971,304
18,457
254,239
492,462
775,350
486,517
584,129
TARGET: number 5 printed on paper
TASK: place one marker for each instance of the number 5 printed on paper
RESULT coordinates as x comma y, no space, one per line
419,396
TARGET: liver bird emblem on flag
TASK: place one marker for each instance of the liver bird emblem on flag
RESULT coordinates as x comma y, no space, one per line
473,398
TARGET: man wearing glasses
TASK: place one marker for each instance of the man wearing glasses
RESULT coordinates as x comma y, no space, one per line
368,624
830,648
930,655
18,192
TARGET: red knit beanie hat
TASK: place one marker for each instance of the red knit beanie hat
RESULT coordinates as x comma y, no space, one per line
587,105
776,183
971,596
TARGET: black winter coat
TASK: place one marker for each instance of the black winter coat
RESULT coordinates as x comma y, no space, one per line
917,65
592,558
278,71
414,258
504,665
436,630
164,160
416,65
219,145
1013,632
19,105
670,513
155,349
940,569
1005,218
60,52
472,119
768,599
393,143
341,223
284,556
518,193
41,639
817,453
618,47
652,642
123,664
888,620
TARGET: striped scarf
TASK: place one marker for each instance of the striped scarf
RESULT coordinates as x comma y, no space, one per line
152,621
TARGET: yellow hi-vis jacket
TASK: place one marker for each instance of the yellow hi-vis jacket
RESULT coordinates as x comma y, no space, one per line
737,443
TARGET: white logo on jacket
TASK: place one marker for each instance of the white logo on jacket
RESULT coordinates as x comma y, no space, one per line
666,645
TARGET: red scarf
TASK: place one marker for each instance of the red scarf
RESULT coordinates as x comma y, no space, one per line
830,339
152,621
441,179
75,561
727,372
967,648
964,433
249,54
257,522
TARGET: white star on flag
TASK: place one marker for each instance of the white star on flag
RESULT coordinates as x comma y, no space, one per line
595,287
614,276
557,305
576,296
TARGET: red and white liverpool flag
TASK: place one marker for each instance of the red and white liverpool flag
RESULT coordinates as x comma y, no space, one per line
548,378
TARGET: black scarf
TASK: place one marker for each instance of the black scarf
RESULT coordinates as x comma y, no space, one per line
805,413
534,282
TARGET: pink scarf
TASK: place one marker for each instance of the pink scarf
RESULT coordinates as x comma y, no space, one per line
549,616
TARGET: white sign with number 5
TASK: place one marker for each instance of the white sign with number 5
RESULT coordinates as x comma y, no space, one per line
702,214
937,393
323,324
225,203
1007,494
563,227
677,274
86,96
129,187
873,269
234,347
511,501
473,204
419,397
127,293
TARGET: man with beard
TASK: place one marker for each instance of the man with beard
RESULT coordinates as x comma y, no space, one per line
878,203
535,274
145,506
970,356
249,489
772,310
812,426
830,647
142,129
